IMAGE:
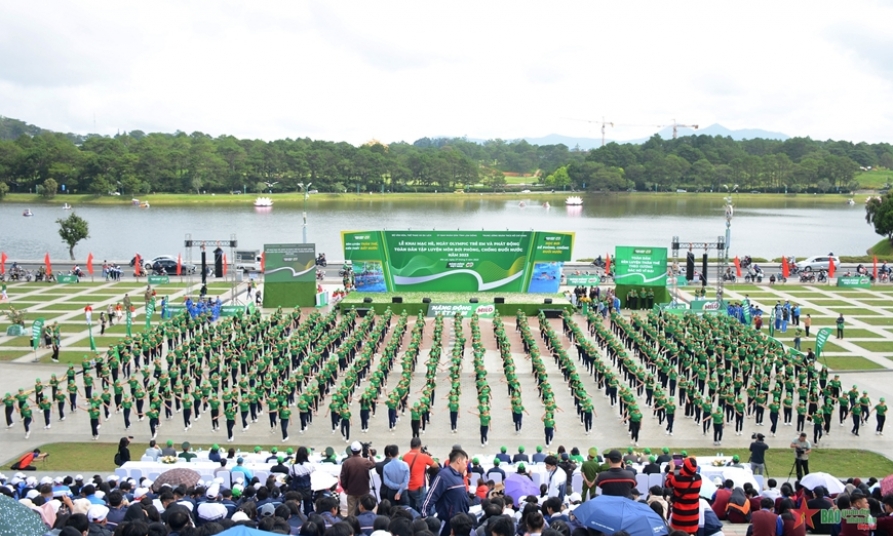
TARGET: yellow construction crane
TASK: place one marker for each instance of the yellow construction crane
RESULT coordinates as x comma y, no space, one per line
603,123
677,126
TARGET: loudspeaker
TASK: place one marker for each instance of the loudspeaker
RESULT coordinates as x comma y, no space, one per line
218,262
551,313
473,300
204,268
689,266
367,300
364,311
397,299
547,300
498,299
704,269
675,244
426,300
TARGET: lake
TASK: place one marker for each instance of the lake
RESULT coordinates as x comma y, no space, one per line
768,226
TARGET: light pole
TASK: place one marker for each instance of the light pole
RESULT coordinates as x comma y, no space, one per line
306,190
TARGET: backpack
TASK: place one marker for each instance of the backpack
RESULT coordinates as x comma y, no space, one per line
118,459
298,483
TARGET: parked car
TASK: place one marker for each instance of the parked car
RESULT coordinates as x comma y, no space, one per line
819,262
148,264
169,266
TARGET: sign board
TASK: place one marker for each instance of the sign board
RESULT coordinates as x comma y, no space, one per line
640,266
174,310
483,310
66,278
159,279
289,263
457,261
36,332
854,282
820,339
708,305
583,280
235,310
322,299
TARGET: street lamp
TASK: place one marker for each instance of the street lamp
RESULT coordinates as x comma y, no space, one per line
306,190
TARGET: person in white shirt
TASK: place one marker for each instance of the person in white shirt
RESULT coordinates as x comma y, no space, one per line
153,451
556,478
771,491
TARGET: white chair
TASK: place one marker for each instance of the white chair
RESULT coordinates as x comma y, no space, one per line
121,473
577,483
375,483
495,477
147,459
759,479
136,474
262,476
642,483
656,479
153,475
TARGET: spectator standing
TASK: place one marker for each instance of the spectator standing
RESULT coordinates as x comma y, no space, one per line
355,477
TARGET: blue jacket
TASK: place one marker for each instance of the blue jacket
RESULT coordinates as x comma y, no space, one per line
447,496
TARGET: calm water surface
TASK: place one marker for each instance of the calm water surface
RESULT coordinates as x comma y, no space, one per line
768,227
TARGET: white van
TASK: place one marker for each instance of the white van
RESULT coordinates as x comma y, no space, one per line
248,260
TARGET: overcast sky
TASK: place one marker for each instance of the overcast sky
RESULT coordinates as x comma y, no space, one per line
356,70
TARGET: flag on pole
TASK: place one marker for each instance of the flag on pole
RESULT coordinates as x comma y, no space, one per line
785,268
820,339
737,266
90,264
224,265
3,258
263,261
874,271
137,265
830,267
179,265
608,263
46,261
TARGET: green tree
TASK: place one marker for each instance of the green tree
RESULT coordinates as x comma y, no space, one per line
4,189
496,179
559,179
879,213
48,190
73,229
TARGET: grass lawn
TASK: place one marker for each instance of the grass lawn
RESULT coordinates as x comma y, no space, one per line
850,363
9,355
746,288
841,463
102,341
66,307
875,320
69,356
826,302
18,341
875,346
121,329
829,346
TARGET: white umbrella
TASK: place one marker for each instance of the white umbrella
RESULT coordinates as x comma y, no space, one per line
830,482
708,488
320,480
739,477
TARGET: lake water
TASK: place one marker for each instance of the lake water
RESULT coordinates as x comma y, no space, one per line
764,227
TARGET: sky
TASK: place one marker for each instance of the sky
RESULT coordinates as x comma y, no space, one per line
401,70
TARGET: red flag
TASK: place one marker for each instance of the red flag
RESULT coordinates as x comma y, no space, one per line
607,263
874,272
785,268
46,261
263,261
137,265
3,263
830,267
179,265
224,265
90,264
737,267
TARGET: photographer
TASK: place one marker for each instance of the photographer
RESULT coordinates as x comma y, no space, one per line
802,447
758,450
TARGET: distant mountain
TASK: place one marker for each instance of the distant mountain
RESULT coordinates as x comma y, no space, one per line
666,133
11,129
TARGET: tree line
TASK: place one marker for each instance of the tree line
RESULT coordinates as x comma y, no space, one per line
33,160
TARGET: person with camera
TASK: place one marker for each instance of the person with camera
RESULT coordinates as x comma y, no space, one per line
802,447
758,450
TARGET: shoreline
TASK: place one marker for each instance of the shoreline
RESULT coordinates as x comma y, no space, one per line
297,198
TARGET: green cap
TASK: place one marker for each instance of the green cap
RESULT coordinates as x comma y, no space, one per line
215,446
521,448
280,459
170,442
652,459
495,461
736,459
647,451
502,449
475,461
274,450
684,453
629,450
257,449
539,448
289,451
593,452
666,450
237,492
521,467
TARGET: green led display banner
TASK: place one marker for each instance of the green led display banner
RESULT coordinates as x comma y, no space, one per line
289,263
640,266
457,261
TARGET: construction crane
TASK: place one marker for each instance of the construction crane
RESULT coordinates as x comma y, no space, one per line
677,126
603,123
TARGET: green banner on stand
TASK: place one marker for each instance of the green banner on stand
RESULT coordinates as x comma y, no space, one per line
583,280
820,339
90,333
236,310
854,282
483,310
708,305
36,331
129,322
159,279
150,309
66,279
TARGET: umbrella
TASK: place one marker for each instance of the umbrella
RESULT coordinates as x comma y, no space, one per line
739,476
830,482
887,485
175,477
520,486
242,530
16,519
320,480
609,514
708,488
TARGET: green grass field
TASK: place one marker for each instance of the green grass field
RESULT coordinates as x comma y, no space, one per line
849,363
872,346
882,249
873,180
875,320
